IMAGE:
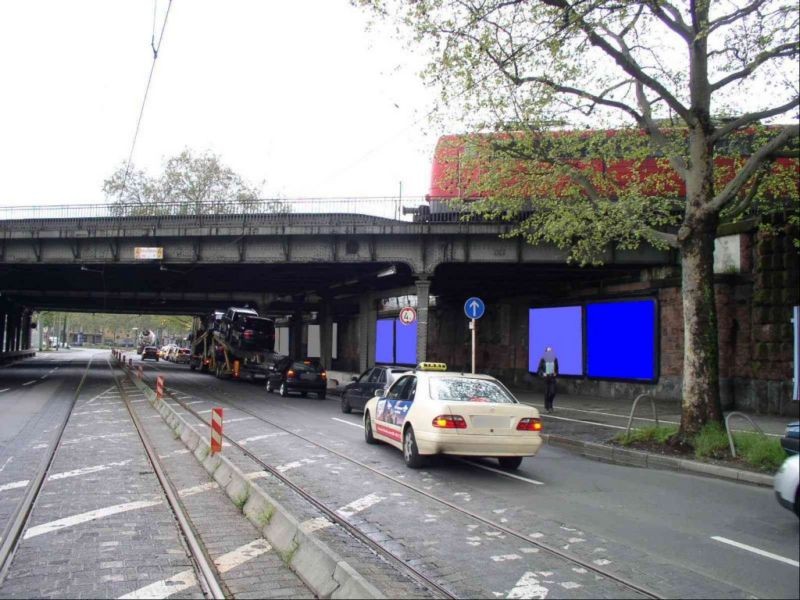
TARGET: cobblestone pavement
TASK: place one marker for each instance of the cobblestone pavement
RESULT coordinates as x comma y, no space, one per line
580,516
224,531
100,526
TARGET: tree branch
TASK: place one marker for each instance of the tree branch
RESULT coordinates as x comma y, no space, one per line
673,20
670,239
787,50
630,66
753,117
751,166
735,15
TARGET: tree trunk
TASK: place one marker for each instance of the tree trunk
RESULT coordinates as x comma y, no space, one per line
701,400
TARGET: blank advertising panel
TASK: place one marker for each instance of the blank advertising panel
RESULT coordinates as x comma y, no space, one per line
558,327
405,343
621,339
384,341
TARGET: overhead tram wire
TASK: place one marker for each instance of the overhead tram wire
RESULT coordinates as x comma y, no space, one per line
156,48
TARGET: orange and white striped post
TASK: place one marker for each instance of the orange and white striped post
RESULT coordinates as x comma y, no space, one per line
236,369
159,387
216,430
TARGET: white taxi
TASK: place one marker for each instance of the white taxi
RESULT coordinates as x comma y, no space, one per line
433,411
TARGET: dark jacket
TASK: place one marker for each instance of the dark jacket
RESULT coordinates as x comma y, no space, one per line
542,369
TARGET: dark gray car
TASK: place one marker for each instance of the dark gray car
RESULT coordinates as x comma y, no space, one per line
356,394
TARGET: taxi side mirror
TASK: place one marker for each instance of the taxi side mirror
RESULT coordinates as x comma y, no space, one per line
380,392
354,378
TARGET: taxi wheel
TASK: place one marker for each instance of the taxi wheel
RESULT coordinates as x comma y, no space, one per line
510,463
321,396
346,408
410,452
368,437
283,390
304,394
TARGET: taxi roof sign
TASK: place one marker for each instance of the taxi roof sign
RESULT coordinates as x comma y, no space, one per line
431,366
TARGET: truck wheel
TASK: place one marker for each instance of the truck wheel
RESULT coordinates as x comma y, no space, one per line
192,367
321,396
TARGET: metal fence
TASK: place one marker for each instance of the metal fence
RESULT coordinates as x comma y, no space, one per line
278,209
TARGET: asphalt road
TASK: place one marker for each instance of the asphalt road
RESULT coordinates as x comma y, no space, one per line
680,534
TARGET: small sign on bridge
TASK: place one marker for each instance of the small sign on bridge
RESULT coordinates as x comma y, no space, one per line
142,253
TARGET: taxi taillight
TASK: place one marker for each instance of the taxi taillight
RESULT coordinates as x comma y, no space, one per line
529,424
290,373
324,375
449,422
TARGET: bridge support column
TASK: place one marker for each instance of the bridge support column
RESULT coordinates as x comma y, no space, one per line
423,295
326,336
296,336
13,330
2,331
366,332
26,330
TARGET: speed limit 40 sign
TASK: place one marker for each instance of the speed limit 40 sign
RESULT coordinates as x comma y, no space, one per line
407,315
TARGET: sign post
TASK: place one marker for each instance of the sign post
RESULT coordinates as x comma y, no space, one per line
474,309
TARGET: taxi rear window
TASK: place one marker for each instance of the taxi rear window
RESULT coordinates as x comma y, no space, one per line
306,368
468,390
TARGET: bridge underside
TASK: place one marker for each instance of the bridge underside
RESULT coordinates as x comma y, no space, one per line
273,288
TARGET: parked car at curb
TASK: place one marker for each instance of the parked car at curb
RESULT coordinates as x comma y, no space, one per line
787,484
150,352
360,389
791,438
290,376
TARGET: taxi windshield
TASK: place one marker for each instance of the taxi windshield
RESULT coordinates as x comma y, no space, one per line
463,389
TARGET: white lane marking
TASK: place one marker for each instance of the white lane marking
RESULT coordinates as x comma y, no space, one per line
89,438
227,421
43,377
91,515
93,412
198,489
195,401
294,464
755,550
499,472
359,505
528,587
100,395
4,390
5,464
347,422
505,557
86,470
13,485
202,412
255,438
166,587
586,422
186,579
233,559
315,524
29,382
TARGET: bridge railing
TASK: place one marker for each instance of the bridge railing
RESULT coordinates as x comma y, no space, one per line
297,210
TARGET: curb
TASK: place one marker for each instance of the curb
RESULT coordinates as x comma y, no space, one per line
648,460
321,569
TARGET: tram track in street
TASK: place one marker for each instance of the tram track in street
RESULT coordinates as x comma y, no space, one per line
207,576
498,527
15,527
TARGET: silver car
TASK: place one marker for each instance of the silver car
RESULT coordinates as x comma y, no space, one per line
786,484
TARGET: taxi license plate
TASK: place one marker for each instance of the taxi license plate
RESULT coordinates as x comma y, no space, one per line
308,377
489,421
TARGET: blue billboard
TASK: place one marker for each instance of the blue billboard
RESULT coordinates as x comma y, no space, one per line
395,342
621,339
561,328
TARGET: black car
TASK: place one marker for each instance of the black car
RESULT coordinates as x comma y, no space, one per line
356,394
252,333
150,352
289,375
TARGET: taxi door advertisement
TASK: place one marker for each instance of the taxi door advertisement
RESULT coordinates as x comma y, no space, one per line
391,416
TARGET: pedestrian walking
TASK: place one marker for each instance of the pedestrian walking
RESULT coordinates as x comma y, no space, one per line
548,368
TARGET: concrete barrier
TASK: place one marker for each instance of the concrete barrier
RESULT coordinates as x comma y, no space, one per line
323,570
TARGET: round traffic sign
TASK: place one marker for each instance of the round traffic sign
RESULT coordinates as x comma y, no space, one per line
474,308
407,315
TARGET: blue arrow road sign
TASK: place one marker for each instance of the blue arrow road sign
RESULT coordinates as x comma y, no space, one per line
474,308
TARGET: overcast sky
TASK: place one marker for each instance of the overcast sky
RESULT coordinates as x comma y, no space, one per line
295,94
